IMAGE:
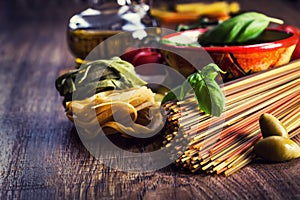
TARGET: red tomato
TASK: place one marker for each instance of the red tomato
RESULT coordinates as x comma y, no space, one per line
145,57
131,52
141,56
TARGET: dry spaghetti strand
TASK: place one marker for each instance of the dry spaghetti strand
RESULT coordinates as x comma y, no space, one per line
224,145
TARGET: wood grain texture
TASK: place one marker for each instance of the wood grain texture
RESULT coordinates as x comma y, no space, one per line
41,155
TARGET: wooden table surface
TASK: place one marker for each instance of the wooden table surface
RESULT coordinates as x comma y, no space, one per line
41,156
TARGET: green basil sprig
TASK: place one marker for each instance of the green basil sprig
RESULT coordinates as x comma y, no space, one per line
237,30
208,93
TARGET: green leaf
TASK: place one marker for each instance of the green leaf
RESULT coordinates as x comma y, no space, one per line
97,76
207,91
211,71
195,78
127,72
203,97
172,95
189,84
181,91
210,97
185,89
238,29
213,98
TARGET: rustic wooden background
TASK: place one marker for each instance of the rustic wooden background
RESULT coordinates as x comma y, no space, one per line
41,156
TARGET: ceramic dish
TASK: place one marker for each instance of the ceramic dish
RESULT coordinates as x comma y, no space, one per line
272,48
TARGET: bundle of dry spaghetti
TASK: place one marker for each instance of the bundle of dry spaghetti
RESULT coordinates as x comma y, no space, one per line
127,111
224,144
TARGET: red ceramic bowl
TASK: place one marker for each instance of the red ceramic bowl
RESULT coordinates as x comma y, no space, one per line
273,48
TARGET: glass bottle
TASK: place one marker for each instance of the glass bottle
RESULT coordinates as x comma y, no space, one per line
104,19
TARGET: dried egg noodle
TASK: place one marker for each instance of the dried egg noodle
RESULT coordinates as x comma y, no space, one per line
102,109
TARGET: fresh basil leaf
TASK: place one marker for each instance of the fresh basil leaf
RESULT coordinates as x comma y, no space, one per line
208,93
203,97
172,95
179,92
237,30
190,84
251,29
211,71
210,97
217,97
185,89
187,86
195,78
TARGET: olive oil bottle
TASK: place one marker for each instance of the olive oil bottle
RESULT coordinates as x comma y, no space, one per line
104,19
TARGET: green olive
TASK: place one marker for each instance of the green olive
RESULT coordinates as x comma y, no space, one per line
270,125
277,148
